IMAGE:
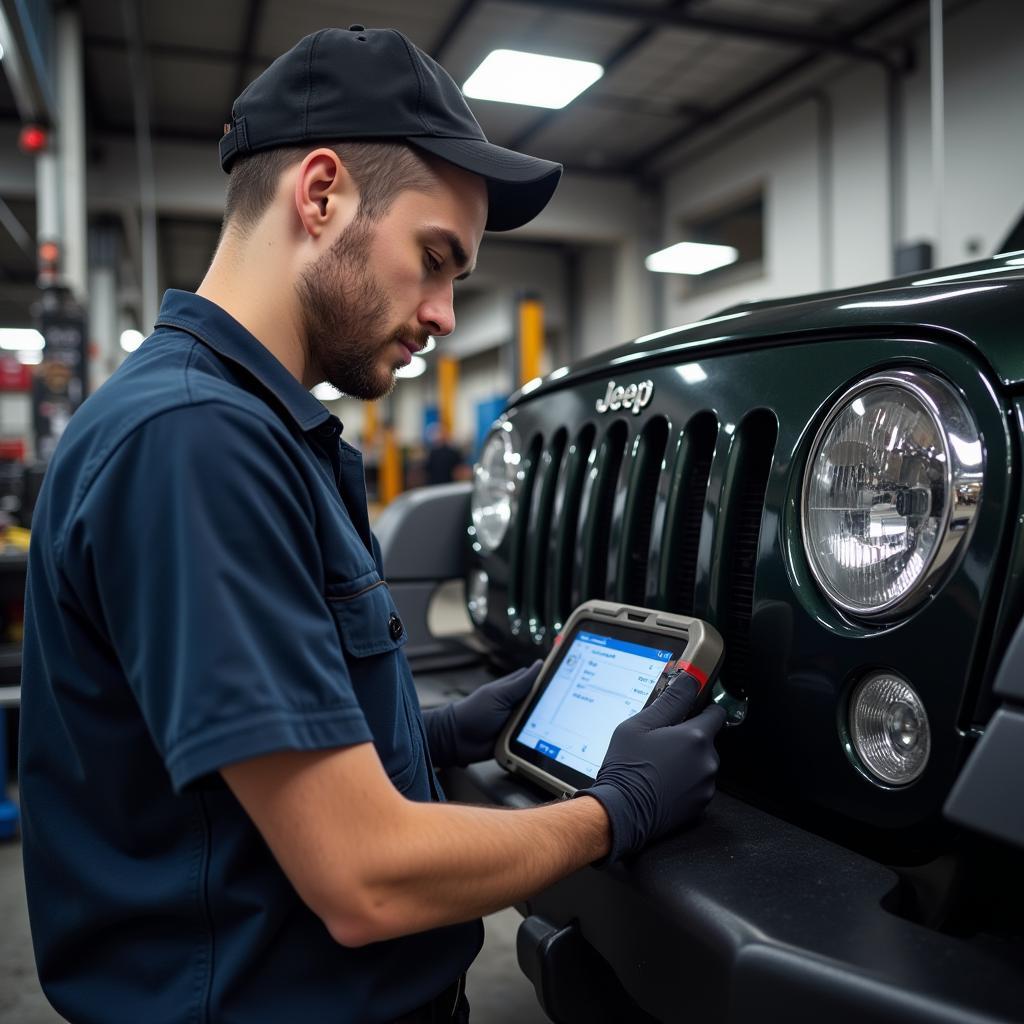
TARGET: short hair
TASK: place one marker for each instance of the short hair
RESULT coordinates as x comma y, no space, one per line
380,170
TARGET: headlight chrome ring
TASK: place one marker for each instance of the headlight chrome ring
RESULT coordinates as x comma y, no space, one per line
495,478
890,491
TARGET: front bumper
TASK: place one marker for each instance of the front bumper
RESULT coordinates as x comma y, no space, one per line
746,917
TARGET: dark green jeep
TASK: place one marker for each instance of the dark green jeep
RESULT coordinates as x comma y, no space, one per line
835,483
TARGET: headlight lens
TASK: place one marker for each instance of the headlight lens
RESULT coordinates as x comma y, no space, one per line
890,489
889,728
476,595
494,485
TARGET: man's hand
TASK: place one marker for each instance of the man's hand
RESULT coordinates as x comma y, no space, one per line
659,772
466,730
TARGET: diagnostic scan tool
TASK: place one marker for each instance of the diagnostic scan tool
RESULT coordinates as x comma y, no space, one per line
610,661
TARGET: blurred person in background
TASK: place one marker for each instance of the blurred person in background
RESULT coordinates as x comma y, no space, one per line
444,462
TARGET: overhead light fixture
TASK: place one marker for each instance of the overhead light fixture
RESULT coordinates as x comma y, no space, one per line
326,392
532,79
429,346
417,365
131,339
691,258
15,339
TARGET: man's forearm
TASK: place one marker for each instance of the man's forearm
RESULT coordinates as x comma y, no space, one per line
374,865
451,862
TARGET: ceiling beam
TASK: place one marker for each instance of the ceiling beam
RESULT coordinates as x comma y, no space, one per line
19,235
629,45
643,163
25,65
760,29
246,54
449,29
214,54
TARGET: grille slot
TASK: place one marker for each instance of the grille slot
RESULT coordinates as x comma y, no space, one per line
678,578
565,522
599,494
543,500
523,515
634,546
620,517
743,492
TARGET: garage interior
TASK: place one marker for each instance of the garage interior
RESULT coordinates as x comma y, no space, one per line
826,143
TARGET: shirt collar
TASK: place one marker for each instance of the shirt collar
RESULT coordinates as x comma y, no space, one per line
220,331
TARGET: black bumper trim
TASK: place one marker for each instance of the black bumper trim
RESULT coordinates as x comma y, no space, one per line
747,917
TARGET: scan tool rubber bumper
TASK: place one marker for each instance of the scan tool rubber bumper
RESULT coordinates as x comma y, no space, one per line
744,918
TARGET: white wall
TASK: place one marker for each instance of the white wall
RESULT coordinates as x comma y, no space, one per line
598,327
782,157
984,193
860,222
984,174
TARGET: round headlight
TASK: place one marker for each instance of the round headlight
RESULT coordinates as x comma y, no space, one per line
494,485
476,595
890,490
889,728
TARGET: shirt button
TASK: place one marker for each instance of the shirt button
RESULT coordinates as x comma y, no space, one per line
395,627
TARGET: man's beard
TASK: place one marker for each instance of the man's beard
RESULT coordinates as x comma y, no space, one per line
343,311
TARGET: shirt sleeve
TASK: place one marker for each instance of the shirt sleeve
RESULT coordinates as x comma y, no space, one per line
195,551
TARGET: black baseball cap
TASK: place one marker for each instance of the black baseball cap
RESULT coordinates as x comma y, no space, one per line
375,84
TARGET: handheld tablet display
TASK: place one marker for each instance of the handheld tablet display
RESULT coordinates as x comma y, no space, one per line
611,661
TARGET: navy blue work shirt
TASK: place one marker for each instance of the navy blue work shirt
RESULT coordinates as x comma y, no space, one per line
204,588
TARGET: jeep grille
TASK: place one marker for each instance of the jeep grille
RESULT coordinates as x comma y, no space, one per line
619,514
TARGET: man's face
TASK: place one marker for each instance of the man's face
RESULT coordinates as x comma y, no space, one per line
385,286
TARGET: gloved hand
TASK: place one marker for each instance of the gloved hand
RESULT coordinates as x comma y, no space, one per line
659,772
466,730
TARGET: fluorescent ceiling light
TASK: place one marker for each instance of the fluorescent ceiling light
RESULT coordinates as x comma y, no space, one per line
429,347
691,258
31,358
417,365
16,339
326,392
533,79
131,339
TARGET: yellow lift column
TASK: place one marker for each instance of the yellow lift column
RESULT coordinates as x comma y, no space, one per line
389,468
447,385
531,338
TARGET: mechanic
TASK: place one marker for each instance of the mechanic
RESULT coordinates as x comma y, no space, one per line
230,807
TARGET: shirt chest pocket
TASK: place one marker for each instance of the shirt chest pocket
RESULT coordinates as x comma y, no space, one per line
372,635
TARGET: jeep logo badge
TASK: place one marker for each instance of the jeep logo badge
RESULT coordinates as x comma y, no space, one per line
634,397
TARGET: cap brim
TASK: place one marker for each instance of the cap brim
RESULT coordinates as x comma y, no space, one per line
518,186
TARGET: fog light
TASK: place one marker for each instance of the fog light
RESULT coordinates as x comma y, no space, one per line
476,595
889,728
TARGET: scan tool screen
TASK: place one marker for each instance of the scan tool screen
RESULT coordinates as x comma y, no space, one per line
601,681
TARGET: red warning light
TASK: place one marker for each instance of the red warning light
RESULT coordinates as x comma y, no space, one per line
33,139
49,252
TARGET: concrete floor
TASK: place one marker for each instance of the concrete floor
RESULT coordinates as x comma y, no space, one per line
498,992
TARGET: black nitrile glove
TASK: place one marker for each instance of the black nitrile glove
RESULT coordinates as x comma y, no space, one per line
659,772
466,730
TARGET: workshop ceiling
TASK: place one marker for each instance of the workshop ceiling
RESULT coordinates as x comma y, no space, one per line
672,67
